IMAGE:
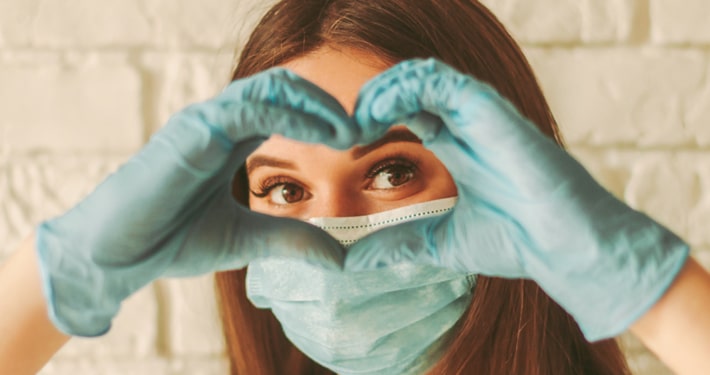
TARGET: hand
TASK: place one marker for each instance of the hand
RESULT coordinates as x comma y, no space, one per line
169,211
526,208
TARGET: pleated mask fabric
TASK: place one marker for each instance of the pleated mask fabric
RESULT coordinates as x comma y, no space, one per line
393,320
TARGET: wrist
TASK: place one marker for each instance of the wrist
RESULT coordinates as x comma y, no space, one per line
680,316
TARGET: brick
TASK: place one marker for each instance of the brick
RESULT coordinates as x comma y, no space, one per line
180,79
199,366
91,105
680,22
87,23
194,325
137,366
29,57
16,21
213,24
624,96
672,187
697,113
567,21
39,186
96,366
134,332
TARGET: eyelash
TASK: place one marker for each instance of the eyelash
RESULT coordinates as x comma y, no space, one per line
393,161
265,186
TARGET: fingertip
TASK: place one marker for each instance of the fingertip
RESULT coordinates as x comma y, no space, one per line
426,126
296,239
345,134
340,135
382,104
337,128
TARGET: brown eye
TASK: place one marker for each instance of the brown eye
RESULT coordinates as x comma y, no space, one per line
392,177
286,194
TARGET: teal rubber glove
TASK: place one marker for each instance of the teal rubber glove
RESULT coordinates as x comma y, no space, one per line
526,208
169,211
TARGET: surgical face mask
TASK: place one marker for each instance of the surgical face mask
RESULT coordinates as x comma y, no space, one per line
394,320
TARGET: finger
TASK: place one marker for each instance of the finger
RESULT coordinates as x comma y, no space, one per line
404,243
227,236
415,86
472,242
272,102
286,237
477,124
280,88
203,136
473,111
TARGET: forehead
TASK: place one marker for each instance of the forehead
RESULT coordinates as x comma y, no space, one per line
340,72
291,152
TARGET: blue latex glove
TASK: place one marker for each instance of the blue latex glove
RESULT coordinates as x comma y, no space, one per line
526,208
169,211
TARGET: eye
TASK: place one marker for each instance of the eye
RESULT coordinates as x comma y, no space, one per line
391,174
280,191
285,194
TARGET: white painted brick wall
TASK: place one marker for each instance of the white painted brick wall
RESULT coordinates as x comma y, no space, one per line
682,23
92,105
567,21
645,96
83,83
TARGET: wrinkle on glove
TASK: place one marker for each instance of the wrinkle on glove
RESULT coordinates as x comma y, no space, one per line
390,321
526,208
168,211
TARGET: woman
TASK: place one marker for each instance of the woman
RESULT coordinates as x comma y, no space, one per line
168,211
511,327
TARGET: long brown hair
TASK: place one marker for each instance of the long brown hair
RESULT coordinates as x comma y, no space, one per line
511,326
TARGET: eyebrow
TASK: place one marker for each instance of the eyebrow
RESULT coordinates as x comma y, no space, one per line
257,161
392,136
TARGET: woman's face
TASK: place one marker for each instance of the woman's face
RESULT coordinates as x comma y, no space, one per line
300,180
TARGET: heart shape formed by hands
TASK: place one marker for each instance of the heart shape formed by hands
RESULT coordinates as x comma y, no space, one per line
526,208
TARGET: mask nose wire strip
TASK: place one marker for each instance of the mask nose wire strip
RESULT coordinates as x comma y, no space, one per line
348,230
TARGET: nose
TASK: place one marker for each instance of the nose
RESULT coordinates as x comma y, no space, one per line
337,203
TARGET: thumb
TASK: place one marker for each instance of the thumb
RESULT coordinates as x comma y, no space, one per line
278,101
459,240
404,243
228,236
268,236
